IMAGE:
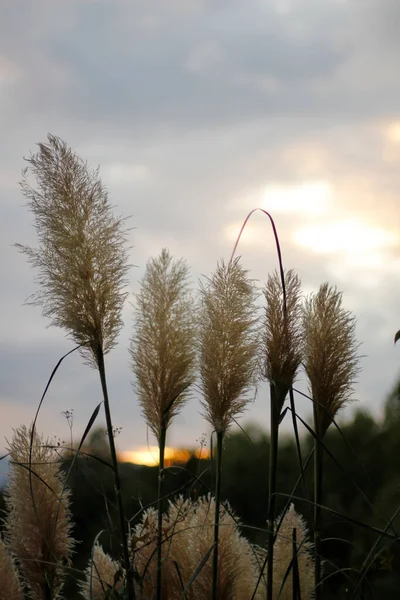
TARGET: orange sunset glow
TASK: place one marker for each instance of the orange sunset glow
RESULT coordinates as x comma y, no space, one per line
148,456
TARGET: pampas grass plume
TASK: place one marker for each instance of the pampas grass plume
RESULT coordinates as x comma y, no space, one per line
188,536
282,335
38,524
228,344
331,360
163,345
283,556
102,575
82,256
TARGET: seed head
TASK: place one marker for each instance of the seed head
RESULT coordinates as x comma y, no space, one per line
284,554
163,347
282,338
82,256
188,536
38,524
103,574
330,356
228,344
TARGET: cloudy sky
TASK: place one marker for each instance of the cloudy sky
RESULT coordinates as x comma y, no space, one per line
198,111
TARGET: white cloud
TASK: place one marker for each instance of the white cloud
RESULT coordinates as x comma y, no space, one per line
351,237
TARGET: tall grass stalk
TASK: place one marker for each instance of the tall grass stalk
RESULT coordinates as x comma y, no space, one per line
160,508
331,364
220,437
282,353
228,360
273,461
163,350
114,461
318,473
82,264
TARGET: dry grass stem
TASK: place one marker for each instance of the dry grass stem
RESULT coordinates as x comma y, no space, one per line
282,335
38,526
103,574
82,255
228,344
188,536
10,588
163,346
331,360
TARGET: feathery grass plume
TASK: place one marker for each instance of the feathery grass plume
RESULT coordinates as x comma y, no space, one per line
282,335
103,575
188,539
82,254
163,353
163,345
282,353
228,360
331,364
330,360
145,544
10,588
38,524
228,344
283,558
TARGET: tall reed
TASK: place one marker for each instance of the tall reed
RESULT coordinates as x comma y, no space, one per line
281,357
163,351
82,265
228,359
331,364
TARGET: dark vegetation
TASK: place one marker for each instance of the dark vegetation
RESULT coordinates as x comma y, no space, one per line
362,483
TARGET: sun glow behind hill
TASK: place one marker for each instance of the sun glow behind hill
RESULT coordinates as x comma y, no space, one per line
148,456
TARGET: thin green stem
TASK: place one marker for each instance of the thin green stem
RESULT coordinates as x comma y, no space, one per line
117,481
220,436
160,506
273,459
318,456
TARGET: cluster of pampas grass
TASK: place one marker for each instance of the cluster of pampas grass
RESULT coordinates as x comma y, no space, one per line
188,528
82,264
38,543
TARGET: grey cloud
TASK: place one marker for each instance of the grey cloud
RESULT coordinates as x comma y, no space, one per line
90,67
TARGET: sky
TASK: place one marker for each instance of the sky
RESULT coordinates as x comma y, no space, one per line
198,111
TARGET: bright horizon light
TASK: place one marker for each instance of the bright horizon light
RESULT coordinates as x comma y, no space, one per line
345,236
149,455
